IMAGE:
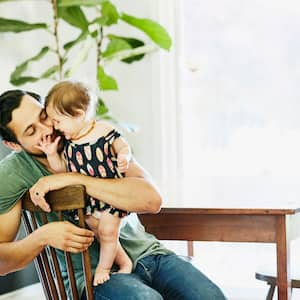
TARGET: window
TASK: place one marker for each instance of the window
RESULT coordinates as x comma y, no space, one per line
238,94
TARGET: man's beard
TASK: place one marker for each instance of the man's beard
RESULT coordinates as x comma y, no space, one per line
41,155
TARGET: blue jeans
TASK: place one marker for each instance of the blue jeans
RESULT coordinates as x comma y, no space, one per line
159,277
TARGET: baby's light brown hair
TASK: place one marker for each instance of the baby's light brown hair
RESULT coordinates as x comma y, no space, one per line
67,97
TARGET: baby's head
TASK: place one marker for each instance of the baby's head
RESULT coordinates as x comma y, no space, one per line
66,105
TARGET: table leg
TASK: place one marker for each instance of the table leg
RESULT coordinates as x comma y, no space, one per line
283,259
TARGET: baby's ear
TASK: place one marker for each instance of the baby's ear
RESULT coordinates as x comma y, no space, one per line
80,113
12,146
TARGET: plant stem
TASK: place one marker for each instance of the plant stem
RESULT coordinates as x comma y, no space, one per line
55,33
99,43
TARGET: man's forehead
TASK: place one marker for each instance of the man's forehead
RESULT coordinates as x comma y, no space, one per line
25,115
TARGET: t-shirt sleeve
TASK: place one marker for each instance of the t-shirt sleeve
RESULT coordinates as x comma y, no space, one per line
17,175
11,187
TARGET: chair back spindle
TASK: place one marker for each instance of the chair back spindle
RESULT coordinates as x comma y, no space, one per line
46,262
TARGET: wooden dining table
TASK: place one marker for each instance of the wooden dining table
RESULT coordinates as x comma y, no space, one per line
269,218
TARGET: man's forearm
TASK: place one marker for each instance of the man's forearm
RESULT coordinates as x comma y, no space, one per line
134,193
130,194
18,254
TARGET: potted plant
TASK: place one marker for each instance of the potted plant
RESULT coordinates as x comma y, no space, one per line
93,20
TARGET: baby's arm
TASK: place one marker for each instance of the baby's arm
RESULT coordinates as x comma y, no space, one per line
123,152
119,144
55,159
57,163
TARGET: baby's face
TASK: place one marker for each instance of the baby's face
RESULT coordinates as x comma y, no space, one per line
69,126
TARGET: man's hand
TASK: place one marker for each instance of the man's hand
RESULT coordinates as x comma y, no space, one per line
66,236
38,192
46,184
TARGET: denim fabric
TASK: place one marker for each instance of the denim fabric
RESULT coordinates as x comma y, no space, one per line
158,277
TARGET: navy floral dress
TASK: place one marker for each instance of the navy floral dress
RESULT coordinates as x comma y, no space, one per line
94,159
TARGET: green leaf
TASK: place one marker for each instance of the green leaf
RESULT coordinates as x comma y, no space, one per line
154,30
120,43
134,43
80,38
22,80
10,25
115,45
48,73
109,13
94,34
109,118
125,54
74,16
105,81
102,109
66,3
16,77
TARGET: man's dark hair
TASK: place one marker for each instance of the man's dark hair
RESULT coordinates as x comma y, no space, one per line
9,101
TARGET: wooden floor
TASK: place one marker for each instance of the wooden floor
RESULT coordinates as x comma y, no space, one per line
32,292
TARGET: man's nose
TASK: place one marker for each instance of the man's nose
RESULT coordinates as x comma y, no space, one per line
46,127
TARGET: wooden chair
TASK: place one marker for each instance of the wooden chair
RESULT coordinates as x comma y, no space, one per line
46,263
269,276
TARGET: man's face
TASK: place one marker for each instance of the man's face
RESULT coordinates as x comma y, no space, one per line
30,124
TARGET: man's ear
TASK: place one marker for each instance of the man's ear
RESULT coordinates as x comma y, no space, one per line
12,146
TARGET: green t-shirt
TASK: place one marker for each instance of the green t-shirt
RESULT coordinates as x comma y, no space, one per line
19,171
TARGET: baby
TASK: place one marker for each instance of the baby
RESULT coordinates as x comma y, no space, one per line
93,148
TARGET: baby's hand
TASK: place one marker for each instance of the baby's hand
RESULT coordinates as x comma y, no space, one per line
47,146
123,162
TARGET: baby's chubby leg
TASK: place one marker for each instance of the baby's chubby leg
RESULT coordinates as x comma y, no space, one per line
123,260
121,257
108,232
93,224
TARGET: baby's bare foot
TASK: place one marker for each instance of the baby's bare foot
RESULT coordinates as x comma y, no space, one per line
101,275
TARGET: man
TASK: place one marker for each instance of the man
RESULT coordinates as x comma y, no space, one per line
158,273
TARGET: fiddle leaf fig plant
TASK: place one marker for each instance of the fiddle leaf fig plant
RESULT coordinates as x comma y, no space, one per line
94,34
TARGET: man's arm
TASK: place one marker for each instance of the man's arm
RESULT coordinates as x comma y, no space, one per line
15,255
135,192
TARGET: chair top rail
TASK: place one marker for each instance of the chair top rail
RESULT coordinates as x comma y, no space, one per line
70,197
